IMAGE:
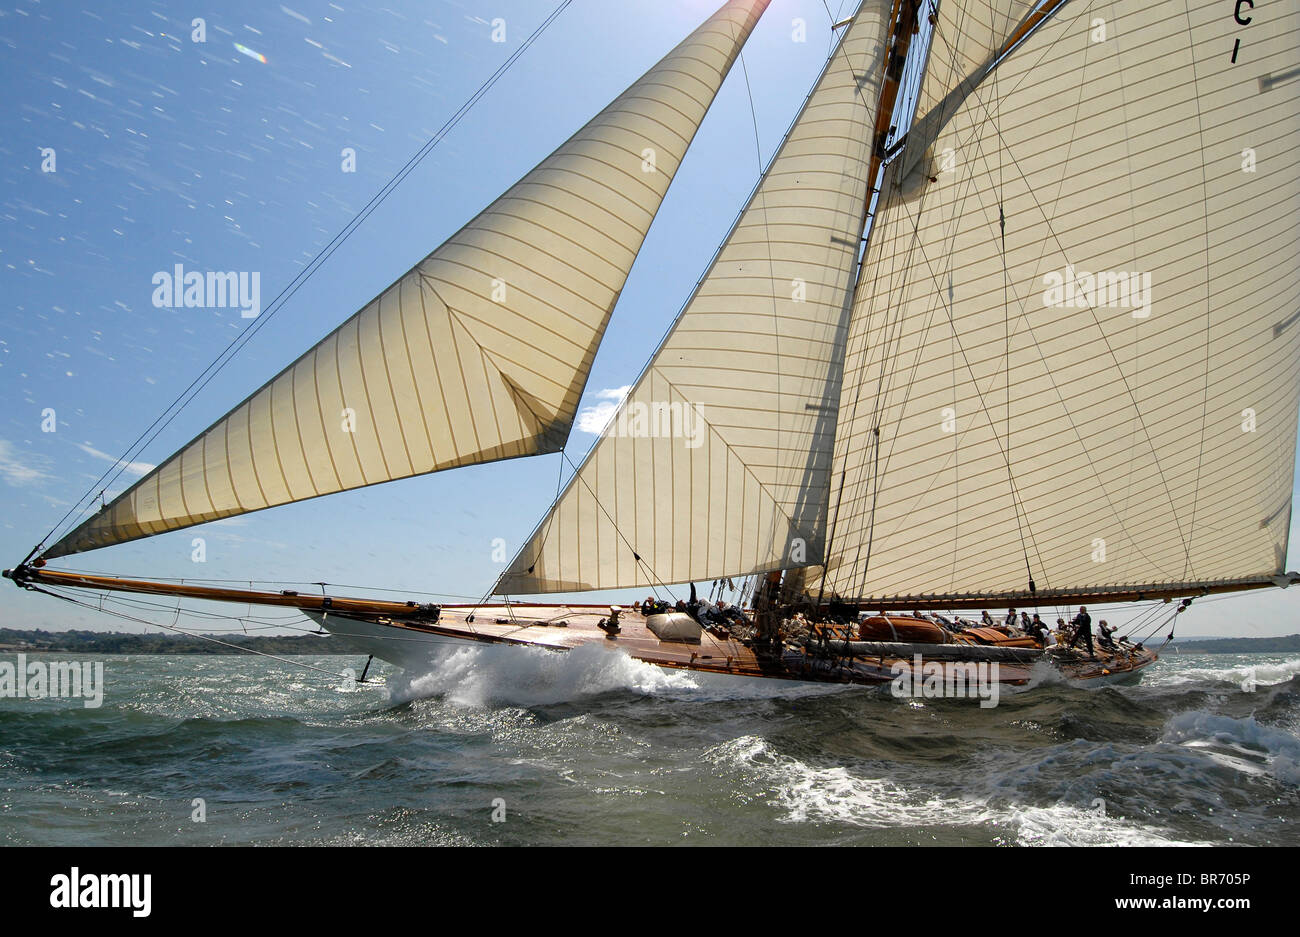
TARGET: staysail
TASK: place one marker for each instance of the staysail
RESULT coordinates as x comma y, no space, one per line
480,352
717,461
1075,354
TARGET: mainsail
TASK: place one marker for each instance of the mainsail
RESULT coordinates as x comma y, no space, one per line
717,461
1075,353
480,352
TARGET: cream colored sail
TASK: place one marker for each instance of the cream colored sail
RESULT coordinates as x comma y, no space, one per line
1111,397
966,40
478,353
716,463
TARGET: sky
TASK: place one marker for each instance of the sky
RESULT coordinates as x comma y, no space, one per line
227,154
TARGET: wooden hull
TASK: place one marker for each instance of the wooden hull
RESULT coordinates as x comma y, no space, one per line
895,628
417,647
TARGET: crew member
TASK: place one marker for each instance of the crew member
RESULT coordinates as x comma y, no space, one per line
1083,629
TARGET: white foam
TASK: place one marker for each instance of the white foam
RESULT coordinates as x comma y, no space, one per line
527,676
1251,745
839,795
1267,674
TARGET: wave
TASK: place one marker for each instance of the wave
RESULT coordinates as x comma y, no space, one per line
841,795
522,676
1242,744
1242,674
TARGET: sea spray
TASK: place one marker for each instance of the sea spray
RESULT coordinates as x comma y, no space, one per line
479,676
1278,749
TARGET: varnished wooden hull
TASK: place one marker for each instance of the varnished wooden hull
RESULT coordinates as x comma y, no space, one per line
417,646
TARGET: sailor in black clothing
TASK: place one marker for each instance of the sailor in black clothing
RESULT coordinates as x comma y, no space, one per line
1083,629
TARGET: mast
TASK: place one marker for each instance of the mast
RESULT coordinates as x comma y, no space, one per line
905,25
916,142
1107,439
742,489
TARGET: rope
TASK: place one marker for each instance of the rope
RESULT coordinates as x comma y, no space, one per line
208,373
204,637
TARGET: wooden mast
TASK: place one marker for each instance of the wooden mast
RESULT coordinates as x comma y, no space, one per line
903,27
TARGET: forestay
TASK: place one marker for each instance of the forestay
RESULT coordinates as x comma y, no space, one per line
717,461
478,353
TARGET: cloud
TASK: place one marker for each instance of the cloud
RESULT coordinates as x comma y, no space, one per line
131,468
16,470
595,418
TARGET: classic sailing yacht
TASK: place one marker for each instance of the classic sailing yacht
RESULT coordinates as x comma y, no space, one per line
1035,345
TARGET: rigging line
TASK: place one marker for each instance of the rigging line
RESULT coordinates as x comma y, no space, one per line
916,364
833,18
894,327
310,631
672,326
1128,389
894,332
771,263
284,621
891,329
882,206
143,621
1159,626
987,415
1143,619
914,245
884,387
1016,504
789,453
767,238
303,275
280,582
1016,500
860,368
640,562
1205,393
1124,381
1132,222
548,520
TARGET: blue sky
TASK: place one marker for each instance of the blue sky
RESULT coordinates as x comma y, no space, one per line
170,151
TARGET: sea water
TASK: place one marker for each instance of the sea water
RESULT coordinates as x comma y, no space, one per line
519,746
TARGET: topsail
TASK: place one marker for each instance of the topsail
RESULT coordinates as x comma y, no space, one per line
480,352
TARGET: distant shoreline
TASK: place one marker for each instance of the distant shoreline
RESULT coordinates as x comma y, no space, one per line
13,641
101,642
1287,644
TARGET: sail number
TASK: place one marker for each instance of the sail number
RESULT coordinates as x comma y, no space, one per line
1242,18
